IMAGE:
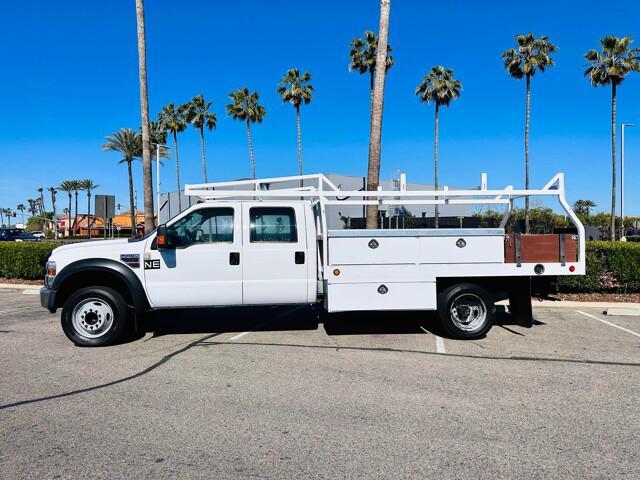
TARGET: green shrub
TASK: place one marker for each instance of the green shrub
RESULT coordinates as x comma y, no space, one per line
612,267
24,259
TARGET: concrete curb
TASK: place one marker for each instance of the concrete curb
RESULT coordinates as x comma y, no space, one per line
19,286
572,304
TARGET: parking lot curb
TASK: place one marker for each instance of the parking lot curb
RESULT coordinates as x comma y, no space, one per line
573,304
19,286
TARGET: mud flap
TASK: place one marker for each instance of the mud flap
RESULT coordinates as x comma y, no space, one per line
520,302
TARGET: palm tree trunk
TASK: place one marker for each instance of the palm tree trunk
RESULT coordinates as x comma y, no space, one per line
299,128
435,165
204,160
132,212
42,202
253,162
175,144
613,161
89,213
69,216
375,136
53,202
75,217
526,154
147,180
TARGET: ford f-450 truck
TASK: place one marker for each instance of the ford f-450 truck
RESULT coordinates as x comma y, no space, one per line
266,242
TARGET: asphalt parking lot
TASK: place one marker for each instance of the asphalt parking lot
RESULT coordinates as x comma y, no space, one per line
281,393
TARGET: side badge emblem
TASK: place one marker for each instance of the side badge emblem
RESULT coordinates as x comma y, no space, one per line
373,243
461,243
382,289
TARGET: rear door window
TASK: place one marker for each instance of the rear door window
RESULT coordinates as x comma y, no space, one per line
273,224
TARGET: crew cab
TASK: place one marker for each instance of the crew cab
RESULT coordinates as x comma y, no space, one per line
271,247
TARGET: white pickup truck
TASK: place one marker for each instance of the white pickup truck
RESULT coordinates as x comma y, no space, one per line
253,243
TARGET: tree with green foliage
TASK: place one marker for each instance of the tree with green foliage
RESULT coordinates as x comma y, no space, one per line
171,119
532,55
41,207
610,66
439,87
583,207
128,143
296,90
88,186
197,113
53,191
21,208
245,106
363,59
67,186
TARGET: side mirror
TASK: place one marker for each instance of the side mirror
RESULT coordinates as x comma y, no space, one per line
165,238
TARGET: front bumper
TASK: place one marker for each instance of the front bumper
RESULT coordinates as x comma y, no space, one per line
48,299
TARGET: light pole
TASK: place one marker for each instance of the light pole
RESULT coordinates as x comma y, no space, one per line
158,147
622,237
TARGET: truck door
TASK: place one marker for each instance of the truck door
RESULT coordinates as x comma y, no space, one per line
205,267
274,263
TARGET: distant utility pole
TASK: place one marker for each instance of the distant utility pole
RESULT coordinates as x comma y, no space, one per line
622,176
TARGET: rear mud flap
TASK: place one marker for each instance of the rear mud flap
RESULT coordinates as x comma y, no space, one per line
520,302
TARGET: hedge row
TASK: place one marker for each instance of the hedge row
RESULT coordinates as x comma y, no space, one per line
24,259
611,266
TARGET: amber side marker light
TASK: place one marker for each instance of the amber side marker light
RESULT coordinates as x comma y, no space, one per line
161,240
336,271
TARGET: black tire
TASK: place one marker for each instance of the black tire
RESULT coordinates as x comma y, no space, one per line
109,305
472,293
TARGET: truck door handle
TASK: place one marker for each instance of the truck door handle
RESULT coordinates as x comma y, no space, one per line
234,258
299,258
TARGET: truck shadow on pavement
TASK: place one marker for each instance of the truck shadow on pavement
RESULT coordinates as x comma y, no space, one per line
299,318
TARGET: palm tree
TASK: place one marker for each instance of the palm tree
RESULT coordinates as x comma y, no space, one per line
67,186
610,67
88,185
441,88
375,135
147,180
363,58
53,191
171,119
198,114
40,191
77,186
21,208
296,90
583,207
532,55
33,206
128,143
244,106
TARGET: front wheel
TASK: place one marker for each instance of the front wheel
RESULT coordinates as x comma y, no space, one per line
466,311
94,316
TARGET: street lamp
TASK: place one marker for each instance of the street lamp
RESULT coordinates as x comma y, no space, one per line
622,176
158,147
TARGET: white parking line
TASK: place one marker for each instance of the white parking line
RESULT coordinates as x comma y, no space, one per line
609,323
21,308
439,341
239,335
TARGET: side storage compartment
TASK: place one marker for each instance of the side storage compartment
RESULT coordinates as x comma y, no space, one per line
346,297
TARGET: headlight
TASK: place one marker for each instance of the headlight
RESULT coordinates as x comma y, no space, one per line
51,273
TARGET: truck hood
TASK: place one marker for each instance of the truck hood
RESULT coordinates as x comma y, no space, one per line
96,247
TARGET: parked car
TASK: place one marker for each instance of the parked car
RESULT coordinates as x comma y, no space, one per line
39,235
16,235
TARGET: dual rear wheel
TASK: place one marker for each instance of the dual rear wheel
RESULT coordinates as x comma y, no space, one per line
466,311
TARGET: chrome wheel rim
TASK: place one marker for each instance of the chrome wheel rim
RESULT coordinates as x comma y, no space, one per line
92,318
468,312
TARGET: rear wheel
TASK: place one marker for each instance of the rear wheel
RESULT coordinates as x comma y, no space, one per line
466,311
94,316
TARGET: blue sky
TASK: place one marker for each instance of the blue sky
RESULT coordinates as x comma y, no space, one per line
70,78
